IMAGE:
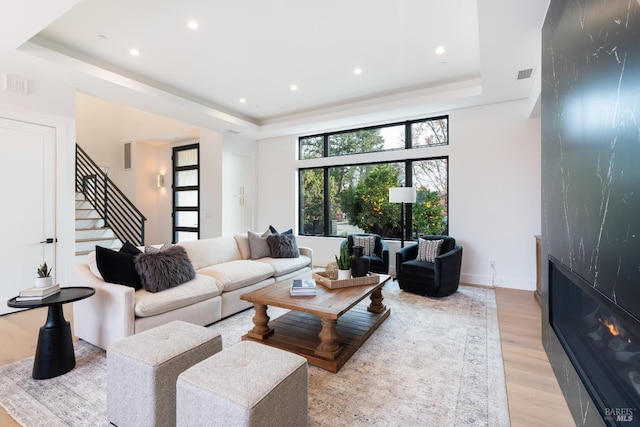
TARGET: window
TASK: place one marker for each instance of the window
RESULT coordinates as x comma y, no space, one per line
423,133
341,199
186,193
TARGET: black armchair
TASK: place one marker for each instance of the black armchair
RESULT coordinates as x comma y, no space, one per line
379,260
435,279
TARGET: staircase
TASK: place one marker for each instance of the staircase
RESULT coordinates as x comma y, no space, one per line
90,230
104,215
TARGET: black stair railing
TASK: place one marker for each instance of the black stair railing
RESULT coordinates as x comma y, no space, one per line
117,211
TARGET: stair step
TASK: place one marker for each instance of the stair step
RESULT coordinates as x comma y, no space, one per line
96,239
103,228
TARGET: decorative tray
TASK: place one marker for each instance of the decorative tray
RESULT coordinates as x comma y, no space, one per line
323,279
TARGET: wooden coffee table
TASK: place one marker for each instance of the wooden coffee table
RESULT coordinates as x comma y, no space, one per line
326,329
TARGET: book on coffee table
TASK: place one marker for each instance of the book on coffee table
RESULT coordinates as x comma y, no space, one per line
303,287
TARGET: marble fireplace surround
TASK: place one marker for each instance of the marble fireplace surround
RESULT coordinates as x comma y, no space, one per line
590,168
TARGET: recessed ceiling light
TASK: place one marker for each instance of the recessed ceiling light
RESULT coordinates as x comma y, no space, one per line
193,24
357,71
242,100
134,52
440,50
293,88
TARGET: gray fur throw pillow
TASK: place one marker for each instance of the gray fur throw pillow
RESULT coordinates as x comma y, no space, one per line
283,246
163,270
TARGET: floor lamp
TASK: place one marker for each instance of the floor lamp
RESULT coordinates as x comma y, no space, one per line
402,195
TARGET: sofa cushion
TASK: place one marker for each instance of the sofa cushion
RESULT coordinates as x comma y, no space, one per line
164,269
258,244
242,240
208,252
238,274
117,267
282,266
283,246
196,290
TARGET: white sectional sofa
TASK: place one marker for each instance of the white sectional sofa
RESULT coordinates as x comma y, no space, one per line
224,271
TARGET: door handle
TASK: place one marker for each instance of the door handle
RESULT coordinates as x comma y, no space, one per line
50,240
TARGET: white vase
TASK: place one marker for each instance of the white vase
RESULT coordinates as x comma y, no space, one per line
43,282
344,274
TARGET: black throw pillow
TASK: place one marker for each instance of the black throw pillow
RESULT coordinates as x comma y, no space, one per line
283,246
117,267
130,248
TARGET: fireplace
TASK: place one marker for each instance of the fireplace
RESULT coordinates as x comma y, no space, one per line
601,341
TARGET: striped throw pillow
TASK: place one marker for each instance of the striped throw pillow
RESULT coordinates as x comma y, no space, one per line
367,242
428,249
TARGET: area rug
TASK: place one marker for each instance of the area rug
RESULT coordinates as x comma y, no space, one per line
433,362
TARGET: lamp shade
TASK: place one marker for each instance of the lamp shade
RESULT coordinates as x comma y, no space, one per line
402,194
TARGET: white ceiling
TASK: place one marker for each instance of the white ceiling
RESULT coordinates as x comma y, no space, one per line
256,49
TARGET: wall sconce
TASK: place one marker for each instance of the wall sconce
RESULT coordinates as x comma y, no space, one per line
160,180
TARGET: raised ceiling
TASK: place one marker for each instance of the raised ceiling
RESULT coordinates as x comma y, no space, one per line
236,70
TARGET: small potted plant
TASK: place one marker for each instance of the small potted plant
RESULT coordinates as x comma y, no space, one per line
44,276
344,263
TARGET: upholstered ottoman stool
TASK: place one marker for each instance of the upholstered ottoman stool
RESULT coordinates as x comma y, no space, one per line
142,370
248,384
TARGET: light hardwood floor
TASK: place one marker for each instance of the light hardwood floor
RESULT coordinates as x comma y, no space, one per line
534,395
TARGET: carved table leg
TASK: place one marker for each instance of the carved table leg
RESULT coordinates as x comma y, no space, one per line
329,346
376,305
261,330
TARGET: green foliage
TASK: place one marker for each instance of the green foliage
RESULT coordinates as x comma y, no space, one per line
344,260
428,213
367,203
312,195
43,270
361,141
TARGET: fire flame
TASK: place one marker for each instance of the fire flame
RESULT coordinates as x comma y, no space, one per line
613,330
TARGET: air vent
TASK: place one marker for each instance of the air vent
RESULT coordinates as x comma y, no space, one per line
524,74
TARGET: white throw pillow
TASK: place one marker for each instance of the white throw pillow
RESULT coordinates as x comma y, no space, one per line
428,250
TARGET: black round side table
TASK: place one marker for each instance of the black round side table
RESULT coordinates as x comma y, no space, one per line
54,353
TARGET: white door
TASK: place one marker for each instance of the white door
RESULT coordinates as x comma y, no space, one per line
27,186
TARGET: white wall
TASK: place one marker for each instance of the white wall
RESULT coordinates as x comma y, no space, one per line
52,104
494,191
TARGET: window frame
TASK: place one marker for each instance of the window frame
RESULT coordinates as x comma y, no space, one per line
408,140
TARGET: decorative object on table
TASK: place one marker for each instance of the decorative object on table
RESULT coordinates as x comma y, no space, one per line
303,287
402,195
359,264
38,293
332,270
44,279
322,278
344,263
376,250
